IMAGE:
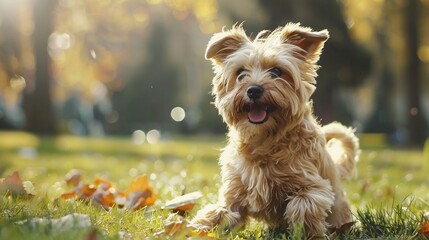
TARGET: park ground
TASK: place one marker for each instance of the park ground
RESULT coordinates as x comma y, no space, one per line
389,196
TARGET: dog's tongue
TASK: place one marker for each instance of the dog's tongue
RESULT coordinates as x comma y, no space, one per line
257,114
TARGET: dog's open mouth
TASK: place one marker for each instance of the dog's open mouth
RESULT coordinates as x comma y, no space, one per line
258,113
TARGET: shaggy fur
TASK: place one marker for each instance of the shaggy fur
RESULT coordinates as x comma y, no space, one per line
280,166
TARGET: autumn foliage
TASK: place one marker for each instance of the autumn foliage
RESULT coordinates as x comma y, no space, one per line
102,192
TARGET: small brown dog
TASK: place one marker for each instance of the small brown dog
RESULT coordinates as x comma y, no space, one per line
280,166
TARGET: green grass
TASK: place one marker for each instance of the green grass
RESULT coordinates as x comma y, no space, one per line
388,197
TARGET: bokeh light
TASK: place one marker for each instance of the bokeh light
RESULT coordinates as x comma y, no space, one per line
178,114
17,83
423,53
58,42
138,137
153,136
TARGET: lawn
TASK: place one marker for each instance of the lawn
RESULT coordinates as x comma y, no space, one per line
389,196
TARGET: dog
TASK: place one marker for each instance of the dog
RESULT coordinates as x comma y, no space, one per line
280,165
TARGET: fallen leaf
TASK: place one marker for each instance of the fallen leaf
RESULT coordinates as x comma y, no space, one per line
104,198
68,195
73,177
140,187
183,203
120,199
12,185
136,200
103,183
29,187
87,191
185,207
173,228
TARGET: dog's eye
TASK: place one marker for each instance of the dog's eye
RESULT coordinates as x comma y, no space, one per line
240,74
275,72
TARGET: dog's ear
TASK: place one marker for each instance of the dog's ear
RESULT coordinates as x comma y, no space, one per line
222,44
309,41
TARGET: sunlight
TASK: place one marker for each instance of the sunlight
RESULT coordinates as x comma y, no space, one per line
423,53
178,114
138,137
17,83
57,43
153,136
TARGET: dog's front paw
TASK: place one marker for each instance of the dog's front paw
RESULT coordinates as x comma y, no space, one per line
208,217
309,209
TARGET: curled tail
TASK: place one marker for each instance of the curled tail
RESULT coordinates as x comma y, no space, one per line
343,146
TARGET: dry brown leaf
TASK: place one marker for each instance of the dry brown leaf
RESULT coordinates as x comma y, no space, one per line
173,228
73,177
141,191
87,191
103,183
120,199
68,195
104,198
185,207
183,203
108,199
137,200
12,185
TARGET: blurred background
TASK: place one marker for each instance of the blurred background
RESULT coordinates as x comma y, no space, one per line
118,67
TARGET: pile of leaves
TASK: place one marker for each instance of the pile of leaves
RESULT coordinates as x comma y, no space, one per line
103,193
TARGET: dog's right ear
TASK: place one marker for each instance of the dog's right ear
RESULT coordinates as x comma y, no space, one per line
222,44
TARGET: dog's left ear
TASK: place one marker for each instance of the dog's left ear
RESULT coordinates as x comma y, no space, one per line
306,39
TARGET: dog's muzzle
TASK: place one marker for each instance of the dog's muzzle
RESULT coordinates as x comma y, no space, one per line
257,110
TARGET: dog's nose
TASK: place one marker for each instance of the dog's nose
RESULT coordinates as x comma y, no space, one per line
254,92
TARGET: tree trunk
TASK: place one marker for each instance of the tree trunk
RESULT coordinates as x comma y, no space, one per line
38,107
417,128
382,117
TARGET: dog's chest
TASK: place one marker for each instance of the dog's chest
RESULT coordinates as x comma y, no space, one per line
267,191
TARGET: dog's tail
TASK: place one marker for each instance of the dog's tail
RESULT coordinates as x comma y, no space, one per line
343,146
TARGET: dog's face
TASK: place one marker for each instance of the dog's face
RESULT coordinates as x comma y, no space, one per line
264,84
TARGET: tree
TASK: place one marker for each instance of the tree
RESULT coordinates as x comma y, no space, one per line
381,119
38,100
153,89
417,127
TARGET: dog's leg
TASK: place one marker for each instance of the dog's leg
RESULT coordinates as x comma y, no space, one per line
209,216
213,215
340,213
228,211
310,206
